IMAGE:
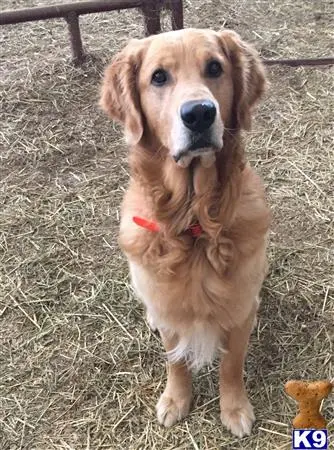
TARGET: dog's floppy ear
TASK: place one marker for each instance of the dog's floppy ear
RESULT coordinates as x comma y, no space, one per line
119,92
248,77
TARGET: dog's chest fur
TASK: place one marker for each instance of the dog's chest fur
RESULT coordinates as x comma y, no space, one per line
176,314
196,291
197,306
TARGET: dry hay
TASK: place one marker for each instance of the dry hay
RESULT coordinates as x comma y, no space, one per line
79,367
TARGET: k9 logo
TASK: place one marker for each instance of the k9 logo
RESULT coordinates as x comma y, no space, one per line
309,439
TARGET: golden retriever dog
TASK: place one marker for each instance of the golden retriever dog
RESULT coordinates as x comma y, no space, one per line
194,220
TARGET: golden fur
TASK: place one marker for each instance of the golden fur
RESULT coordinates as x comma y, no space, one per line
202,294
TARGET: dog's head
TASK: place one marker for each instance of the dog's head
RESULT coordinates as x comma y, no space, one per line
183,89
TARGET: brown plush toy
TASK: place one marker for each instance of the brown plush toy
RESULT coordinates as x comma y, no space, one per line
309,396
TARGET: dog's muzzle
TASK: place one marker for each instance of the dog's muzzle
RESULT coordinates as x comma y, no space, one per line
199,129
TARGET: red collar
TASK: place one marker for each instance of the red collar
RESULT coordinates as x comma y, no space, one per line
195,230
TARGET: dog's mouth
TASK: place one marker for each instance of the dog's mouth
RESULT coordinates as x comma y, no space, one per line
207,157
199,142
199,147
194,153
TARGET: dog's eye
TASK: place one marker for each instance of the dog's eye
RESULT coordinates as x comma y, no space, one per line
159,77
213,69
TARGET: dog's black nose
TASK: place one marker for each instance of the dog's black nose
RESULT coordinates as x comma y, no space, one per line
198,115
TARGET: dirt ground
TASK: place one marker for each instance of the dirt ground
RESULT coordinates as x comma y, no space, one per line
79,367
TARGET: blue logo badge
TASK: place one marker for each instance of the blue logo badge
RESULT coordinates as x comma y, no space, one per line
309,439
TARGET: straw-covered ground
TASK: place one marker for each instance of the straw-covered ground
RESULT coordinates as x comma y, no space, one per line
79,367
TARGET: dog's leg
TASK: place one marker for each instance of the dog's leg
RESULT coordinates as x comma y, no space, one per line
174,403
257,303
236,411
150,321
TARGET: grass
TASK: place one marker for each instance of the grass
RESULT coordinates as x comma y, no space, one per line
79,367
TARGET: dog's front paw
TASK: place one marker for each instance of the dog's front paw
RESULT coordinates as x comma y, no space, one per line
170,409
237,416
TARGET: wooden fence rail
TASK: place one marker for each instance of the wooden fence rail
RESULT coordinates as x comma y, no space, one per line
71,11
151,10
